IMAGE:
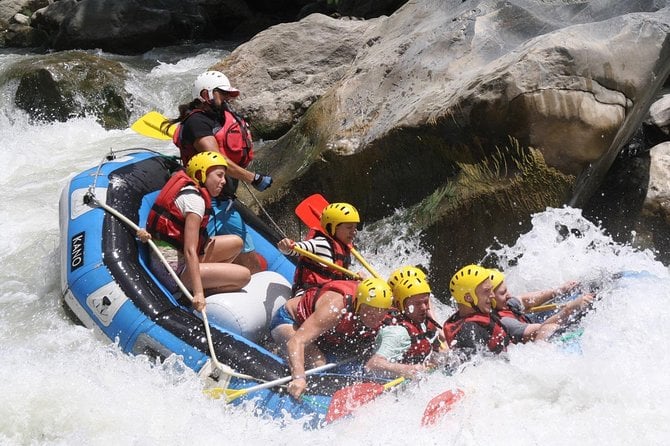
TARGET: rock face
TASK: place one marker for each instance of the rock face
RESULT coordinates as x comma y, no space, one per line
284,70
131,26
460,77
659,114
124,26
443,84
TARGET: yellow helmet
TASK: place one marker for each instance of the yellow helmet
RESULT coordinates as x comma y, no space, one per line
375,293
336,213
465,281
497,277
202,162
404,272
409,287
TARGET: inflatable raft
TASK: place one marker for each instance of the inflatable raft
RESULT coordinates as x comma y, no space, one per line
107,285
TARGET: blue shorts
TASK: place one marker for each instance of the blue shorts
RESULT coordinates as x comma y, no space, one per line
281,317
226,220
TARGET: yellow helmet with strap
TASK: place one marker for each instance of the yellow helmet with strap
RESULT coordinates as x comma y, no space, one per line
336,213
411,286
465,281
404,272
497,277
200,163
375,293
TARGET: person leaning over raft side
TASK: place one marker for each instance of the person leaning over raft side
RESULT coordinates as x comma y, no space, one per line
332,242
179,218
340,321
474,327
408,335
208,123
510,309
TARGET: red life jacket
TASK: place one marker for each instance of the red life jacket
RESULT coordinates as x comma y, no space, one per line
424,341
513,314
349,334
309,274
166,222
233,137
498,337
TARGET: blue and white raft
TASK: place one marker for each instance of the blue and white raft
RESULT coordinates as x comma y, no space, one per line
107,285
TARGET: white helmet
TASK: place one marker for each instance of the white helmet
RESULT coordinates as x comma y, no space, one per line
209,80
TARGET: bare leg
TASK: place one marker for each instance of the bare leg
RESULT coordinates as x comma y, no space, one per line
220,277
222,248
250,261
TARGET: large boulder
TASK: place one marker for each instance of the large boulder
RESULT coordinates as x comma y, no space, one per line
133,26
284,70
60,86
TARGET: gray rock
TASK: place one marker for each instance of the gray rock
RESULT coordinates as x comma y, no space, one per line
657,201
659,114
68,84
9,8
283,70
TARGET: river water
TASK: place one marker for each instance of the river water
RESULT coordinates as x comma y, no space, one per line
60,385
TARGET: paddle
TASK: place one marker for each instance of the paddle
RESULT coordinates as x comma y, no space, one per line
348,399
92,199
233,394
153,125
547,307
309,211
439,406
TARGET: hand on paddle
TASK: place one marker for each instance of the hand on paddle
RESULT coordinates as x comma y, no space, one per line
199,301
286,246
143,235
297,386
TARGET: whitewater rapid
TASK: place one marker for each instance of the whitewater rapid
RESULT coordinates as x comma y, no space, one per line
62,386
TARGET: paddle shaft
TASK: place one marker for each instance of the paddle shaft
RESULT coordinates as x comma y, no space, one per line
547,307
183,288
394,383
326,262
277,382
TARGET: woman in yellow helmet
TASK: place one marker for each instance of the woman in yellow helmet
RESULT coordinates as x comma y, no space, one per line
178,218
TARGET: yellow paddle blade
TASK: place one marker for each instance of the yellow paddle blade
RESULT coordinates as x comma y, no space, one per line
228,394
150,125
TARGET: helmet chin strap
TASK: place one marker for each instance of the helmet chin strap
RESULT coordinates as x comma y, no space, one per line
475,307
